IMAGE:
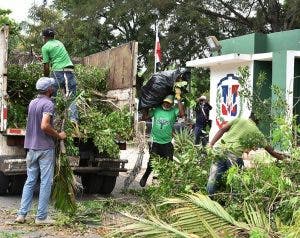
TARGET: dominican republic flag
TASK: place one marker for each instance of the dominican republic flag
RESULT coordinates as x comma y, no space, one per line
157,53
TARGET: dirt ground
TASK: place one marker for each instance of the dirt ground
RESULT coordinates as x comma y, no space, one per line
10,204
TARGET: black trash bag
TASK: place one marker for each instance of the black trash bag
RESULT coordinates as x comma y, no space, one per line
159,86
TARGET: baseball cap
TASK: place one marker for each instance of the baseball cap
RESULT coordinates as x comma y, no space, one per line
44,83
202,97
48,32
169,99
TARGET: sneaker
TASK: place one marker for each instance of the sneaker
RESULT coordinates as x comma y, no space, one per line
20,219
46,221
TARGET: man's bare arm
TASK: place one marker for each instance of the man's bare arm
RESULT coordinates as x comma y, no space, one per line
219,134
275,154
181,109
47,128
46,69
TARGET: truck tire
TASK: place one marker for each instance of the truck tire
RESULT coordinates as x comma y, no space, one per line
91,183
108,184
4,182
16,184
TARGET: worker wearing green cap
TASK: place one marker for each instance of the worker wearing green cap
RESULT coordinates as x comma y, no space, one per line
163,120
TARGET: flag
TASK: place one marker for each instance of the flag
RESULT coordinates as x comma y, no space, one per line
157,53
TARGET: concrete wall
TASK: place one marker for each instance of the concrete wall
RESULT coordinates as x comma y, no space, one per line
261,43
226,74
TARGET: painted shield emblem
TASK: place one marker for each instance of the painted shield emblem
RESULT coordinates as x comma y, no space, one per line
228,103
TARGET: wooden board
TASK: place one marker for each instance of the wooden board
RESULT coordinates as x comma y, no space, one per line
122,64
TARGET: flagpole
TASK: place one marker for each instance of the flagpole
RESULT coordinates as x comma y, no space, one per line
155,46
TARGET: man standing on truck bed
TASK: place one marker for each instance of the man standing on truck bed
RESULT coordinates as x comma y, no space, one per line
62,69
39,140
163,120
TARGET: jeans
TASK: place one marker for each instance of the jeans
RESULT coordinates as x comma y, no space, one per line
218,169
67,81
39,162
200,135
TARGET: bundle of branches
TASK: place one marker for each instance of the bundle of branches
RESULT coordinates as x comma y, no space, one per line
21,89
100,118
105,126
65,184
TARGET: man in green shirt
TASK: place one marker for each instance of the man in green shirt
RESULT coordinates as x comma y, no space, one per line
56,57
238,136
163,120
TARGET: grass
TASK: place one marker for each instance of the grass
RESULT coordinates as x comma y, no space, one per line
9,234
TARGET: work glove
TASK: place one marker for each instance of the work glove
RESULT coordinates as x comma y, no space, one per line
178,93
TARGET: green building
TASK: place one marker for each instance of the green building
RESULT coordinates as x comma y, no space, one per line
276,54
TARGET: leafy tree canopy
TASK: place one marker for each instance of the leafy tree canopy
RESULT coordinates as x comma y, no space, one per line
90,26
14,28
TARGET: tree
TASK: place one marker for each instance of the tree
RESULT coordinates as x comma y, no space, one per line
90,26
14,28
41,17
243,16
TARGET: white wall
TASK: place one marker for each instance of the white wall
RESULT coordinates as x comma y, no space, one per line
217,73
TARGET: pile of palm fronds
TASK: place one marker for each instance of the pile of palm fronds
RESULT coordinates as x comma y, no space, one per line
194,216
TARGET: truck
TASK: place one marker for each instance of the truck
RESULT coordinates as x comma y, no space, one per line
97,174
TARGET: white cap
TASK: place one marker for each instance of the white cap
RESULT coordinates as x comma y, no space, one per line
202,97
44,83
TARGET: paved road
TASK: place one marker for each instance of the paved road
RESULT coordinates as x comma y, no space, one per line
10,204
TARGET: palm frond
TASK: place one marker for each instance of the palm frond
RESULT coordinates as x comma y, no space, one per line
292,230
195,215
64,186
151,227
255,217
183,139
198,208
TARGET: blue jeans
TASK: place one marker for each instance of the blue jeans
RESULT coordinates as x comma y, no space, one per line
199,135
218,169
67,81
39,162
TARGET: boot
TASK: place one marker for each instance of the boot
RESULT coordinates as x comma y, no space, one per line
143,180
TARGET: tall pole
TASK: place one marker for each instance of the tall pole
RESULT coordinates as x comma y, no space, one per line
155,46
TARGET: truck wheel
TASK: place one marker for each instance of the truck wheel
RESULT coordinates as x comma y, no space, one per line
108,185
3,183
91,183
16,184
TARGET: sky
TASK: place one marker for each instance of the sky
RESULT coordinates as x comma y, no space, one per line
19,8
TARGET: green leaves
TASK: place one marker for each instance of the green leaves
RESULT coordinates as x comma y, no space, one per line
191,216
106,129
64,186
252,141
21,90
91,78
187,172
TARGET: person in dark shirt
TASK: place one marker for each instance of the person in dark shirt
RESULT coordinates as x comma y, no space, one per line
202,119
